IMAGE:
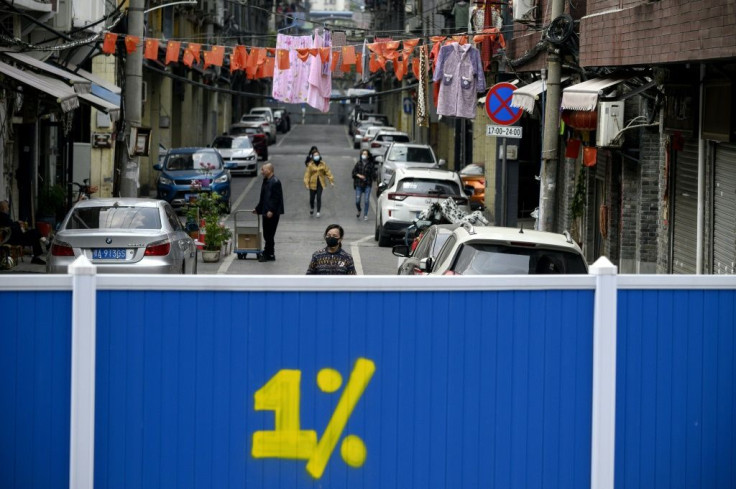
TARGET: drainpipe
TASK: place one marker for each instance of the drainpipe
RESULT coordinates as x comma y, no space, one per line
701,180
132,99
548,174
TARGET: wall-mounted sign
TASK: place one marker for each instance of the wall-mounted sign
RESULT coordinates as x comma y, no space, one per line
139,142
102,140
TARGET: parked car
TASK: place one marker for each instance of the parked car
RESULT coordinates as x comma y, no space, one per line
474,175
361,128
238,150
406,155
123,235
370,133
383,139
257,136
504,251
283,119
429,243
409,192
358,117
188,171
268,126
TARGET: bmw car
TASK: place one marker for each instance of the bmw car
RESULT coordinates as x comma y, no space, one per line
123,235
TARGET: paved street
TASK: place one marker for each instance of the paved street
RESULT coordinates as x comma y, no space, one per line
299,235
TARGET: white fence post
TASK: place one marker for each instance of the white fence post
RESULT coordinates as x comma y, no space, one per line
82,422
603,436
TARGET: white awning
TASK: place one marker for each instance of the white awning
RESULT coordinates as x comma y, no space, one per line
584,96
101,104
526,96
96,79
80,84
63,94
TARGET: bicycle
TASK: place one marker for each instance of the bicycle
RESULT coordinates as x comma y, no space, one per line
85,190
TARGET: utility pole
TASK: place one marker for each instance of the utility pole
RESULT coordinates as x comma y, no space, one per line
132,98
550,153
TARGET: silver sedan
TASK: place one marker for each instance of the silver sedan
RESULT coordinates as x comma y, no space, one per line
123,235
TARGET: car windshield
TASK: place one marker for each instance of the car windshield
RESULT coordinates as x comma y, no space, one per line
427,186
497,259
232,143
408,153
472,170
114,217
395,138
252,118
193,161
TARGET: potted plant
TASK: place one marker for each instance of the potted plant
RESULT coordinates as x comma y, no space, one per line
215,232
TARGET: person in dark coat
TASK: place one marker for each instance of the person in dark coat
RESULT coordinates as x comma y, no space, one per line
21,236
363,175
270,207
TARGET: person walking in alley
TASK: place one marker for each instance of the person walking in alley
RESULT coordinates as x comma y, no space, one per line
315,179
309,155
363,175
270,207
332,260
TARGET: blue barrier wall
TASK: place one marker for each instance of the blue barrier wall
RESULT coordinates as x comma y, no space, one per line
471,389
675,421
35,346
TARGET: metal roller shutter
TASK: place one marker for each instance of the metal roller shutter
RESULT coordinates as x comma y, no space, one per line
684,222
724,210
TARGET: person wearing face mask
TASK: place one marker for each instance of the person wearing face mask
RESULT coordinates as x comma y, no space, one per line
315,179
363,173
309,155
332,260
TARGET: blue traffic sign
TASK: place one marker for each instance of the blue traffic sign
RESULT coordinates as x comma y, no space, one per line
408,105
498,104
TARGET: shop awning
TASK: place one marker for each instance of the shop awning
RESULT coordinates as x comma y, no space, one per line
63,93
526,96
101,104
96,80
80,84
584,96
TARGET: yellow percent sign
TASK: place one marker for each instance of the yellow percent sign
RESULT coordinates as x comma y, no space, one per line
287,440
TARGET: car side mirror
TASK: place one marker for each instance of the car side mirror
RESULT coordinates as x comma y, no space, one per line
378,159
381,187
469,190
442,163
158,167
401,250
425,264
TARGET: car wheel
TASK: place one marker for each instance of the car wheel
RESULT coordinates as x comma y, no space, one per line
375,236
356,145
383,240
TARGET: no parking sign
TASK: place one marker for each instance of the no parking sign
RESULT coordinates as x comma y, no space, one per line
498,104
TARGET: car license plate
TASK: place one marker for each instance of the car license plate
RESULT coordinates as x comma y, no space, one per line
109,253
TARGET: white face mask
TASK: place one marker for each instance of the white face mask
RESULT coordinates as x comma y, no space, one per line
364,157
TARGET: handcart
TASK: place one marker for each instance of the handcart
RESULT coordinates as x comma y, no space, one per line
248,235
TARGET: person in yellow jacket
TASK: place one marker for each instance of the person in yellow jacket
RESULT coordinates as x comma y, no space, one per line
315,179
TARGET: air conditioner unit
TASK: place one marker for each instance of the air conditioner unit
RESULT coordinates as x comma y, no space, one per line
610,124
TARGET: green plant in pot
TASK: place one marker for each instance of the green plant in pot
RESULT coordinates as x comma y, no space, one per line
216,233
51,203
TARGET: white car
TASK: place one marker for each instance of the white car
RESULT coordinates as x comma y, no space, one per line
409,192
493,250
268,125
360,130
238,150
370,133
383,139
407,155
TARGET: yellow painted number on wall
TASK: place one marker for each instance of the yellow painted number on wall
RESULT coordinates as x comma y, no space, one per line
287,440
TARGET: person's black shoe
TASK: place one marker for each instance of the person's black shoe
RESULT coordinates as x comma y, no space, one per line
38,261
262,258
271,258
